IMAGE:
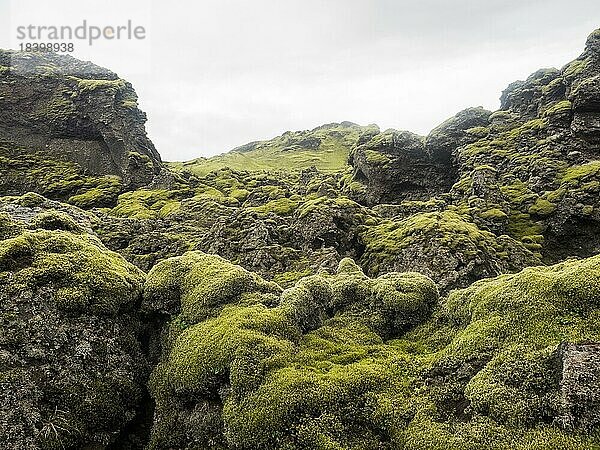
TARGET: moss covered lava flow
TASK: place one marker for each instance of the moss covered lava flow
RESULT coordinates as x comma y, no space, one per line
335,288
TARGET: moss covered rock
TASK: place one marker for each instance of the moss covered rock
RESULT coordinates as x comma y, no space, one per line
444,246
71,369
270,363
347,361
74,112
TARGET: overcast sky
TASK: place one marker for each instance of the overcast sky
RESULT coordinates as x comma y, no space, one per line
215,74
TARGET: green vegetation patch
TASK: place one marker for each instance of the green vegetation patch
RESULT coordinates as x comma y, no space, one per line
314,353
345,361
146,204
87,277
326,148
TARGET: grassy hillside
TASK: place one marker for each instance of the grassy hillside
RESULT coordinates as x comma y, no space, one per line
325,147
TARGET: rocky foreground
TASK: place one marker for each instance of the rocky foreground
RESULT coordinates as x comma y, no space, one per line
350,288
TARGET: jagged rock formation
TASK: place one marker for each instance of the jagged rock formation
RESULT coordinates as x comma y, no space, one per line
56,108
399,165
395,166
350,305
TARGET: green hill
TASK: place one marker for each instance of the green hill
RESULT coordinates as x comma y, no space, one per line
325,147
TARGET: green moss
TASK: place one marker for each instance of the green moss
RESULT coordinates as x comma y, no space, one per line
575,67
55,220
533,125
561,107
576,174
140,159
146,204
58,108
8,227
282,207
556,195
521,224
104,193
70,304
517,193
88,278
478,132
542,207
501,115
31,200
239,194
56,179
493,214
376,158
385,241
326,148
201,284
291,365
288,279
315,370
87,86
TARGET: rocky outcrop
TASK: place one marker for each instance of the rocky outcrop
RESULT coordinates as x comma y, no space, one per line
444,246
580,386
459,130
395,166
72,372
58,108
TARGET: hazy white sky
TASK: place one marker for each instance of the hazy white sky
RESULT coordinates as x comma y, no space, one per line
215,74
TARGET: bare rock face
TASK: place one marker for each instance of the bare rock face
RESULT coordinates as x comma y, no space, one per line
68,110
394,166
455,132
580,386
399,165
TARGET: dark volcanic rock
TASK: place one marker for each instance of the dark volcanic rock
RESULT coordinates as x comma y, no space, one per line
74,111
529,97
443,140
586,108
580,386
395,166
72,372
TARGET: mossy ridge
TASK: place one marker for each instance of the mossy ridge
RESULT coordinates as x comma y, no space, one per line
101,281
326,148
506,331
520,153
196,285
86,86
449,229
